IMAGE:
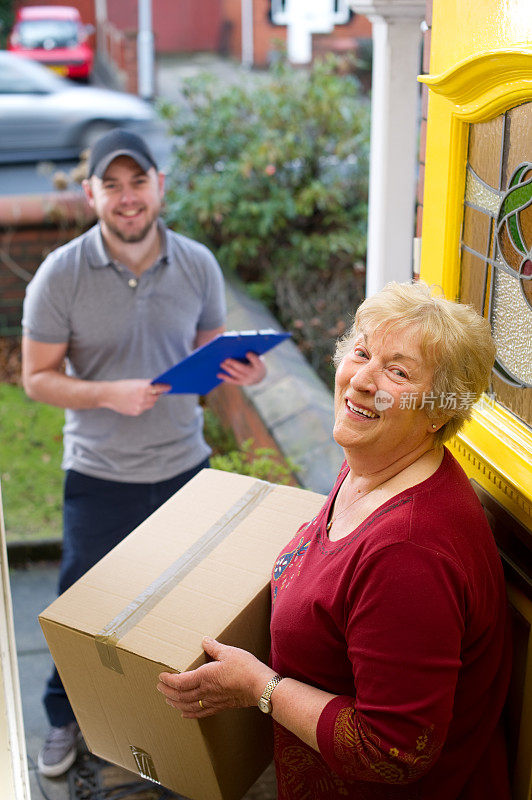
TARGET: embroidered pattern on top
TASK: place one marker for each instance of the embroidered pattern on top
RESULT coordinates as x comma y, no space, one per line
303,774
284,567
353,742
284,561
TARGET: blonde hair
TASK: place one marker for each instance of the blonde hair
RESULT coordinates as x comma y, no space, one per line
453,337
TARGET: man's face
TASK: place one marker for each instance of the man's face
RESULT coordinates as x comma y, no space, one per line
127,200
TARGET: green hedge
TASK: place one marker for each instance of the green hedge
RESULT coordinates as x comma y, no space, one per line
6,20
272,175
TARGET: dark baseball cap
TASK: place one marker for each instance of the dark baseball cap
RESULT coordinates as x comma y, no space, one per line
118,142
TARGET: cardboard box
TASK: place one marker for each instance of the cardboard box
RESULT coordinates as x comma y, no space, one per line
200,565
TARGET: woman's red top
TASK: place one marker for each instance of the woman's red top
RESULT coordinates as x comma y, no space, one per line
405,620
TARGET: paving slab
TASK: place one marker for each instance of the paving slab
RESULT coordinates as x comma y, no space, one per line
44,789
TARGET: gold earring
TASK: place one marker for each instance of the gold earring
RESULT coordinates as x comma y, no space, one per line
434,426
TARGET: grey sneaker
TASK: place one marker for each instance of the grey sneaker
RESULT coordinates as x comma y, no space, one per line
59,750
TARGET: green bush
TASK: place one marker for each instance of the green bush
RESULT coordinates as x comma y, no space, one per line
272,176
259,462
219,438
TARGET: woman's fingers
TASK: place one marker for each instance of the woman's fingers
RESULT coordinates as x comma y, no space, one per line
186,689
190,706
184,681
225,682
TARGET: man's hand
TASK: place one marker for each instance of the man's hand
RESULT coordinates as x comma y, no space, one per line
44,380
235,679
240,373
131,397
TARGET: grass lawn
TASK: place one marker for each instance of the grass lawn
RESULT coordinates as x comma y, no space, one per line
30,465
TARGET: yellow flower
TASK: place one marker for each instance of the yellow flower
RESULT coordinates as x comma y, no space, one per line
394,752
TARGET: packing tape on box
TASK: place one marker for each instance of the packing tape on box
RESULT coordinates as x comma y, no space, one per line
107,639
144,764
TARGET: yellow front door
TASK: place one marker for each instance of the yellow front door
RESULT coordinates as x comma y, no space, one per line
477,245
477,218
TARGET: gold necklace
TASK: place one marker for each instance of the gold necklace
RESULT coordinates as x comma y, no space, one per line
352,503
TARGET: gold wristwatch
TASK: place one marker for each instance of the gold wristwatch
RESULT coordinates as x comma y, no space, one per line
265,703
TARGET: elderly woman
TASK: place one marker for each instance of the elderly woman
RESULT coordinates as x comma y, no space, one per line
390,656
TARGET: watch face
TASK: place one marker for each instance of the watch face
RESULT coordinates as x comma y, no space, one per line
265,705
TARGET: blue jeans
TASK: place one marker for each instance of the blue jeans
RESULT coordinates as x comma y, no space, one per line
97,515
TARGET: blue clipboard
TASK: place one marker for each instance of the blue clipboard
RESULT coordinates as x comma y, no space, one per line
196,374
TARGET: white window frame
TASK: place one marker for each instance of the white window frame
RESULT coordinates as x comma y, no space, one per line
340,11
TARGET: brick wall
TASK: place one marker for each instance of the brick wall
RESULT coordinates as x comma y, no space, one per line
184,27
231,33
216,26
187,26
30,228
343,38
123,14
265,34
117,51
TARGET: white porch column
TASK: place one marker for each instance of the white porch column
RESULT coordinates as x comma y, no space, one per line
145,51
395,110
246,12
100,13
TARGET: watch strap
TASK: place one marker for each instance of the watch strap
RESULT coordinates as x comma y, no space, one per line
268,689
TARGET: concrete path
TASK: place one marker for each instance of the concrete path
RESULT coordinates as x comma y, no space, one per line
171,71
33,589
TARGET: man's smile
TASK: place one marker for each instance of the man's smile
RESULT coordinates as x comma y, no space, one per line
131,212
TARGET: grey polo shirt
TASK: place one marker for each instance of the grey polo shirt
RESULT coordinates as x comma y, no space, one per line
120,326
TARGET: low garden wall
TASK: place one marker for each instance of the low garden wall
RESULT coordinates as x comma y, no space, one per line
31,226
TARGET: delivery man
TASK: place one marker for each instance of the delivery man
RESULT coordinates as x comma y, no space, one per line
117,306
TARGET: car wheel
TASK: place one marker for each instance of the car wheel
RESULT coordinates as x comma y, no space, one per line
93,131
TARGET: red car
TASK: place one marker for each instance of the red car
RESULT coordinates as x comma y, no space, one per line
55,36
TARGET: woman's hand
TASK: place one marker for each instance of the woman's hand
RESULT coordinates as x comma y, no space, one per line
234,679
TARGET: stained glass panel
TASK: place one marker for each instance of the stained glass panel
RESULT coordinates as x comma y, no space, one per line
496,262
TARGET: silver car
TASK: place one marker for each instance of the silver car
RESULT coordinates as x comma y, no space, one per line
43,116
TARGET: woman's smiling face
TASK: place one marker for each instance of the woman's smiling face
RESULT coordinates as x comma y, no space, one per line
375,384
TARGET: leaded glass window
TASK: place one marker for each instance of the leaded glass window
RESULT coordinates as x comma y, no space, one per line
496,262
